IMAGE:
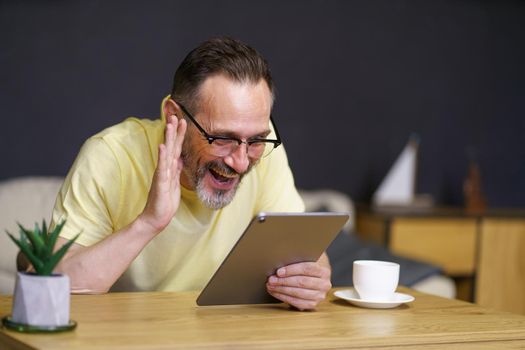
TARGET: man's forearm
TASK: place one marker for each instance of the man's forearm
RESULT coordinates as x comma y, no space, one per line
96,268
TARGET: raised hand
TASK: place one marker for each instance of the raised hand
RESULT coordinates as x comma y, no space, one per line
164,194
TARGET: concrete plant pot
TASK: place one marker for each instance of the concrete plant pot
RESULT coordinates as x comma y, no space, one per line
41,301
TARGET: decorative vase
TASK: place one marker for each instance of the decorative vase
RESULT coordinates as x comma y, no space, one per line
475,201
41,301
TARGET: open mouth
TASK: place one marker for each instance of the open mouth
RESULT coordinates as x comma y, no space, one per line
220,176
223,177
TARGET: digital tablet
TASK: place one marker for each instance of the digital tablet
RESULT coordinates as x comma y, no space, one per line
270,241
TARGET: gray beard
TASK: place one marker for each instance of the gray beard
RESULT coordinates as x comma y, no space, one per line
217,199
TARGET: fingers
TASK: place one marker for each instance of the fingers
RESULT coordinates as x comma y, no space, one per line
174,137
176,160
302,285
312,269
162,166
169,138
169,164
181,131
164,193
298,299
177,149
304,282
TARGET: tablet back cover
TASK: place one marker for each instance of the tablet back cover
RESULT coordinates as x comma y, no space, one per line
271,240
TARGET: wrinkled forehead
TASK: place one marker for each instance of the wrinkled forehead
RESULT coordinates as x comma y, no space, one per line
227,105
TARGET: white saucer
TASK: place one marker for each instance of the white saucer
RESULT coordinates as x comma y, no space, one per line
351,296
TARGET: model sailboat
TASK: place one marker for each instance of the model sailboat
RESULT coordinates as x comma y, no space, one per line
399,185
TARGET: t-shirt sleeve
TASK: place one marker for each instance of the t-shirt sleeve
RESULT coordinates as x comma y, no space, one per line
277,191
90,196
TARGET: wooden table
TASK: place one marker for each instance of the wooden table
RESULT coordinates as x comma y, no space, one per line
173,321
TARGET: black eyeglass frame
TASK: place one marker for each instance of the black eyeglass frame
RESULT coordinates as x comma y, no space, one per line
211,138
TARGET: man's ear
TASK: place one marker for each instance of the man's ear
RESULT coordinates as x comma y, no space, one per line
172,108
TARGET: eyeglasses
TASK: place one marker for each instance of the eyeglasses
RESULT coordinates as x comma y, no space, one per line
222,146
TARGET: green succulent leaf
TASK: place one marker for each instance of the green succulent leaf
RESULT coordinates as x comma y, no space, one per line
52,238
36,240
26,249
44,231
23,237
51,263
37,230
38,246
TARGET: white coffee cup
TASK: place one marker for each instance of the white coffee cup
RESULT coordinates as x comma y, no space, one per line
375,280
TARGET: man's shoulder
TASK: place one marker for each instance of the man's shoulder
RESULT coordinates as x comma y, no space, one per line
132,127
131,135
133,141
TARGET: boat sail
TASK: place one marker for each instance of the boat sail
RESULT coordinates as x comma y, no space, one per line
399,185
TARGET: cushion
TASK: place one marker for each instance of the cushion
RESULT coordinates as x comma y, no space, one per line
347,248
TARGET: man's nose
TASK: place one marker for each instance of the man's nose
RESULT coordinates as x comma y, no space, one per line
238,160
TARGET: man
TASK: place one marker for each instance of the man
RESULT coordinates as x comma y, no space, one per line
160,203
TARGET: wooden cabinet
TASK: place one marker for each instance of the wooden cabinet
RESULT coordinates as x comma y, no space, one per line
485,254
500,281
449,243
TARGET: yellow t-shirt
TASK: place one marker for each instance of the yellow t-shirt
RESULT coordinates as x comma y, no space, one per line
107,188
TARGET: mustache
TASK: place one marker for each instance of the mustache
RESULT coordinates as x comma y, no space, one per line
222,167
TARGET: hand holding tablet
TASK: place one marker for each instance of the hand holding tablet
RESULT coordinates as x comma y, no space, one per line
302,285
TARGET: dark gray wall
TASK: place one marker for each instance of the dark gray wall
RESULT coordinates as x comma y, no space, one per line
354,78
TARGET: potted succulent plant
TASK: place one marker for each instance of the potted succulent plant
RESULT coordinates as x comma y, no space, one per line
41,298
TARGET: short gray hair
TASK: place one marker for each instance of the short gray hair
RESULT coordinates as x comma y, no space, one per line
223,55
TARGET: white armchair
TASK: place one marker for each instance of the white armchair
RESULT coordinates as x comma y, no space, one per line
330,200
25,200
